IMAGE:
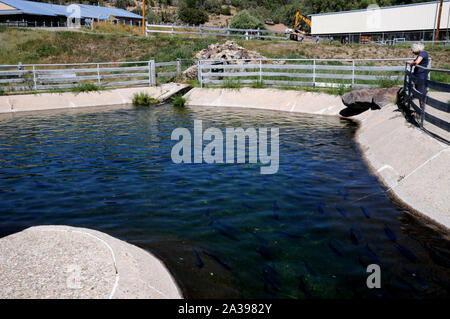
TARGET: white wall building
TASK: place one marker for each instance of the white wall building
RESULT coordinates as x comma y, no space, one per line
413,22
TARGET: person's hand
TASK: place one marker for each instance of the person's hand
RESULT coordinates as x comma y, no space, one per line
412,63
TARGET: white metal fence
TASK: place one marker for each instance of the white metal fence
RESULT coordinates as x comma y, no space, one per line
202,31
303,72
36,77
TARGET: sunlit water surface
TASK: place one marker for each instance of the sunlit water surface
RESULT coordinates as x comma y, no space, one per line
223,230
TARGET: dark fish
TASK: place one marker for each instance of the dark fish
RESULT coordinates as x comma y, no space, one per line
227,227
353,237
208,213
260,239
390,233
365,211
289,235
417,278
372,255
310,270
406,252
303,286
378,247
247,205
321,208
264,251
275,206
198,260
214,256
334,249
271,277
275,210
224,233
345,193
341,211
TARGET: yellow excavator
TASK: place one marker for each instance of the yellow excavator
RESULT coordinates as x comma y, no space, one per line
294,34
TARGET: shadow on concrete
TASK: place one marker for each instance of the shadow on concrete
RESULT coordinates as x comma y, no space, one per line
347,112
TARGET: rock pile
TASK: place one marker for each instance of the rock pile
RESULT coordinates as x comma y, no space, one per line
227,51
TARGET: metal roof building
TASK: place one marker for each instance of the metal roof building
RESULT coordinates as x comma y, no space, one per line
39,13
414,21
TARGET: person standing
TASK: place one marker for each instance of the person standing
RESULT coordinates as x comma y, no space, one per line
422,60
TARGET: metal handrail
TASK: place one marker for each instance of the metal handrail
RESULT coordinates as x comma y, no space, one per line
410,93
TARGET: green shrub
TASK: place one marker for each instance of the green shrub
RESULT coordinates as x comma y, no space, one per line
178,101
192,15
143,99
226,11
244,20
86,87
2,92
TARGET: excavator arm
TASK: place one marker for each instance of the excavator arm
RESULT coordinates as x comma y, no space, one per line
298,17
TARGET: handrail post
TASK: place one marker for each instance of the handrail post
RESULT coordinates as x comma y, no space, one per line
200,31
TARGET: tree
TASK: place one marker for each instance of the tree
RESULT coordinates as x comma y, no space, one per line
244,20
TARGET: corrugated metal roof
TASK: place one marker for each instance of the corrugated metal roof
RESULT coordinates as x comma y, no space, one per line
86,11
28,7
389,7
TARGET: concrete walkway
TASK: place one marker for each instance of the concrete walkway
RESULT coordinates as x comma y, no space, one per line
68,262
50,101
413,166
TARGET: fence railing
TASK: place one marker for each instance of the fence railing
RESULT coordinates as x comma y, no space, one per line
303,72
37,77
433,114
202,31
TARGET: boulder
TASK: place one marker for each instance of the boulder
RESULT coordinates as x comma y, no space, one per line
358,99
362,99
383,97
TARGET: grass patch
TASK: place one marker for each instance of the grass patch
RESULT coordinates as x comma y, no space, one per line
86,87
258,85
386,82
232,84
143,99
179,101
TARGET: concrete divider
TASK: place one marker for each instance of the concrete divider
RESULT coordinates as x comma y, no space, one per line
49,101
413,166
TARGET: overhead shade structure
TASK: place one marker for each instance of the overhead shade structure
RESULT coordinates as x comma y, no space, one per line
41,9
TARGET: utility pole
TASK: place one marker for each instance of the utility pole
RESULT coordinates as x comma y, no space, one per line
143,17
438,22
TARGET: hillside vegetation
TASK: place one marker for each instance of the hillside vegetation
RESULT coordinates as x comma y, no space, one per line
38,46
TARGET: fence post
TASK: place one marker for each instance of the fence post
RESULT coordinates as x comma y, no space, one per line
260,70
153,72
314,74
34,78
200,31
173,30
353,72
146,29
178,66
149,73
228,31
199,72
98,73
